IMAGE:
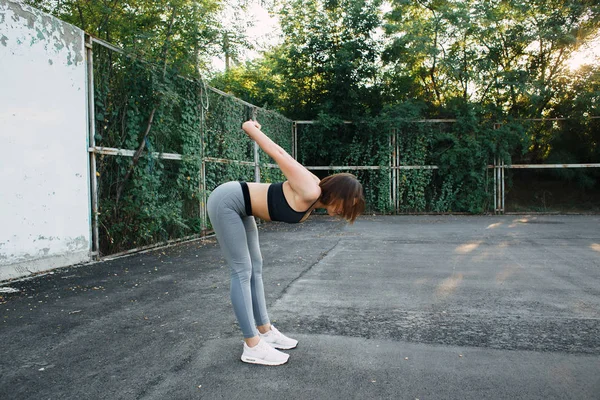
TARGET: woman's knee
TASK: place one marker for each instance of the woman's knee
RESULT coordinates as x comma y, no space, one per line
257,264
241,271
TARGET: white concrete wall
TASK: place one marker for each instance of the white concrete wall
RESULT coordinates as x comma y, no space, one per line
44,206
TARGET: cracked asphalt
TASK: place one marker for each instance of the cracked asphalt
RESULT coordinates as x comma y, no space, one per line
392,307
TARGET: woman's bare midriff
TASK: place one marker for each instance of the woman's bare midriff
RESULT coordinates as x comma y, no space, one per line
258,198
260,206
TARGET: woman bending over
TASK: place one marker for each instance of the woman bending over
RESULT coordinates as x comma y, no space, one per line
232,207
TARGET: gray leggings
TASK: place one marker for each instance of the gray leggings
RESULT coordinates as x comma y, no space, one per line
238,236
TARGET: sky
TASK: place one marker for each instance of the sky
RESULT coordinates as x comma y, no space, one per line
264,32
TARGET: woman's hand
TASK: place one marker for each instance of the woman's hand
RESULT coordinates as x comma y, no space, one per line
248,125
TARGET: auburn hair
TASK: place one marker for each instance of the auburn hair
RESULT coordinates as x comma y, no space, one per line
345,189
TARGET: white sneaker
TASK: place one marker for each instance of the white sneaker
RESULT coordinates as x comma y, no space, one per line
263,354
278,340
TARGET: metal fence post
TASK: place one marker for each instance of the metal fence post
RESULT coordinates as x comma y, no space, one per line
394,172
203,213
499,167
294,140
397,181
92,146
256,153
495,187
202,172
256,164
499,186
502,189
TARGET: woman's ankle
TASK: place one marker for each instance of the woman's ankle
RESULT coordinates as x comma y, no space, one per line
253,341
264,328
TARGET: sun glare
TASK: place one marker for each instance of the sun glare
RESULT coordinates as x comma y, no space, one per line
589,53
467,247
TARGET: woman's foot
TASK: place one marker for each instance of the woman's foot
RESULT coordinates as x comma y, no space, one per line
278,340
263,354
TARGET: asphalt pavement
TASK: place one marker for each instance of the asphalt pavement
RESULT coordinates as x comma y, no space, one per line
392,307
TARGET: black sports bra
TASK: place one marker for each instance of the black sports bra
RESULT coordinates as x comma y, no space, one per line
279,208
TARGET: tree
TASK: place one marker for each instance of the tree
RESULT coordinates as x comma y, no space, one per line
328,60
507,53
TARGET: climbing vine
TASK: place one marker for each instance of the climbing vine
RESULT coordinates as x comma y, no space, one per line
461,148
147,199
331,141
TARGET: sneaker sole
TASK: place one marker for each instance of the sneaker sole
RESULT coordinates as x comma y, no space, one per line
279,347
252,360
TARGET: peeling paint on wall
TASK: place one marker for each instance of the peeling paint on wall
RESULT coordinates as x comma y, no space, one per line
44,203
53,33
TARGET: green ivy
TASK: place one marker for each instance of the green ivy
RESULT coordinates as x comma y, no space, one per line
154,199
462,150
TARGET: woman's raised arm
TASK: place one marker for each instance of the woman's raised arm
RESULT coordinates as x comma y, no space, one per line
302,181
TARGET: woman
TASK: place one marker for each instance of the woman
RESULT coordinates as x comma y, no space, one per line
232,207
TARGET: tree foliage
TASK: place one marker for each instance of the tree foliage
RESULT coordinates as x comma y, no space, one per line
327,61
506,53
186,33
495,67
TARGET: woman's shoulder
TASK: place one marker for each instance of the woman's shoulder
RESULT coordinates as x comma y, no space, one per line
303,198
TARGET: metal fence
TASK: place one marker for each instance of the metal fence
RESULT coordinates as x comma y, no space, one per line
498,168
225,154
222,153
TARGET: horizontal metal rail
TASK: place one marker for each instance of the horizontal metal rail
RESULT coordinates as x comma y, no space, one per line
311,122
191,238
416,167
174,156
248,163
315,122
442,120
368,167
556,118
342,167
109,151
527,166
408,167
544,166
227,161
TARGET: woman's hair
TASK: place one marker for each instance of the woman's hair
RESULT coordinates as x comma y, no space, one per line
343,188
